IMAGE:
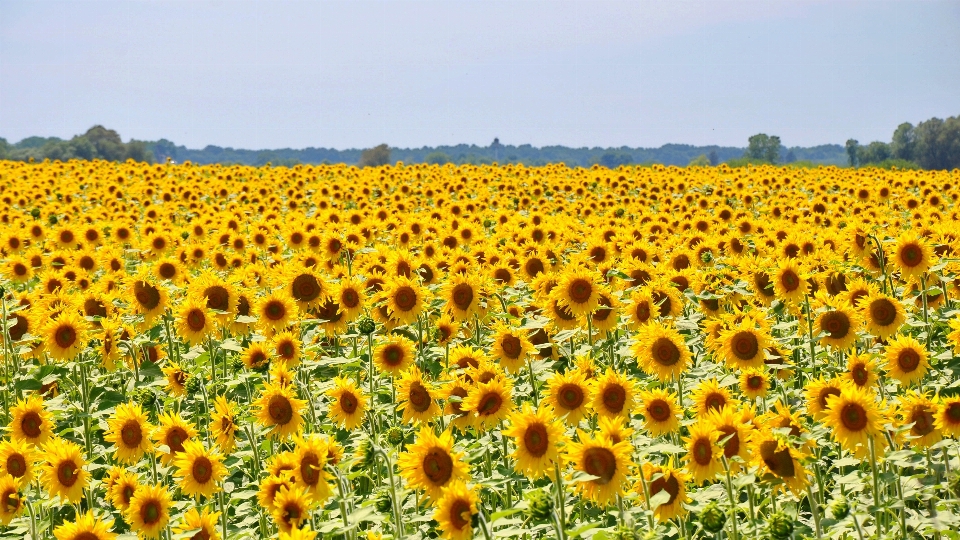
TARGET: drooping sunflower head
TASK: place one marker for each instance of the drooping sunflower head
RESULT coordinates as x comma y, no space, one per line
11,501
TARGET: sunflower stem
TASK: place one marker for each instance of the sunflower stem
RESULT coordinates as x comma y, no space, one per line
397,513
813,349
926,319
533,382
876,482
343,504
223,513
814,510
33,518
561,509
733,504
646,500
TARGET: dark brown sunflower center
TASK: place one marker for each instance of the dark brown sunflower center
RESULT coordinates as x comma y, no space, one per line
665,352
860,374
460,514
10,500
438,466
562,313
836,324
489,404
922,418
715,400
280,410
668,484
732,446
614,398
702,451
419,397
67,473
310,469
662,300
30,424
348,402
512,347
533,267
218,298
745,345
146,294
202,470
150,512
762,283
65,336
580,290
175,439
570,396
393,355
600,462
286,349
131,434
853,416
642,311
883,312
19,269
457,406
780,462
659,410
16,465
305,288
908,360
349,298
196,320
405,298
912,255
275,310
825,394
789,280
167,270
502,275
536,440
755,382
953,412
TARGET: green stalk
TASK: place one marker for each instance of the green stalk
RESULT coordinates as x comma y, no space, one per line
814,510
561,499
876,483
733,503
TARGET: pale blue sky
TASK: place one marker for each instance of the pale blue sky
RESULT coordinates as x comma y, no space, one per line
347,74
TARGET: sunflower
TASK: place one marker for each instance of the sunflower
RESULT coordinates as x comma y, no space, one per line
462,294
839,325
536,435
123,489
276,311
270,487
577,291
788,283
511,347
223,423
569,395
18,269
350,296
199,470
754,383
416,397
11,502
454,392
220,295
456,511
609,463
64,336
347,403
149,510
882,314
277,408
661,351
30,421
489,402
306,534
395,355
818,392
709,395
703,456
733,433
670,480
917,409
854,417
431,463
404,299
743,345
63,472
311,459
150,298
194,321
775,459
947,416
129,431
641,308
613,394
445,330
86,527
17,460
661,413
286,347
913,256
204,524
907,359
172,432
861,370
176,379
256,356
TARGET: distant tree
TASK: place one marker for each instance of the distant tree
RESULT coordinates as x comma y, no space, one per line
904,142
4,148
938,143
437,158
496,146
791,157
612,160
700,161
874,152
375,157
714,160
764,147
851,147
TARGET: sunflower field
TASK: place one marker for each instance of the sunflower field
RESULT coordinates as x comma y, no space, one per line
410,352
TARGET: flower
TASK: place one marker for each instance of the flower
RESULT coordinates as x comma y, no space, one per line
348,403
63,472
455,511
278,409
431,463
536,436
149,510
601,458
129,431
199,469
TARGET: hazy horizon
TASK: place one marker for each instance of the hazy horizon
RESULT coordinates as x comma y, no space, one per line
411,74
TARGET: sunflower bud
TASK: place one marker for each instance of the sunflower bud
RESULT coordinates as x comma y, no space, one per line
185,235
780,526
366,326
53,219
146,398
839,508
712,518
35,213
395,436
237,364
193,384
626,532
540,505
383,502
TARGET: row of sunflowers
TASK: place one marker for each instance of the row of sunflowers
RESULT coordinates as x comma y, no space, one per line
220,352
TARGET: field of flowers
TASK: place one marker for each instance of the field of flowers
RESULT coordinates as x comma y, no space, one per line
216,352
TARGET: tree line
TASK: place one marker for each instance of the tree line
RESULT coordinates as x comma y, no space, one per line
933,144
97,143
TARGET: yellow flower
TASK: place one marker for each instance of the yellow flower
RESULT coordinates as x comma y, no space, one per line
431,463
709,395
818,392
149,510
947,416
194,321
30,421
129,431
599,457
11,501
912,255
511,347
278,409
660,411
536,436
788,283
350,297
176,379
776,459
670,480
223,423
149,297
65,336
754,383
906,360
17,459
455,511
404,299
172,432
917,409
463,294
854,417
312,454
742,346
291,508
577,291
199,470
569,395
193,520
839,325
417,397
86,527
123,489
861,370
490,402
882,314
703,457
395,355
347,404
276,312
63,474
661,351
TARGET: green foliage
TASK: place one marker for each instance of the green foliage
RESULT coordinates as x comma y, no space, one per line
437,158
764,147
97,143
375,157
900,164
700,161
612,160
745,161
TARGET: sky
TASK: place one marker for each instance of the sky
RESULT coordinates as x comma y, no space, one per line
354,74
